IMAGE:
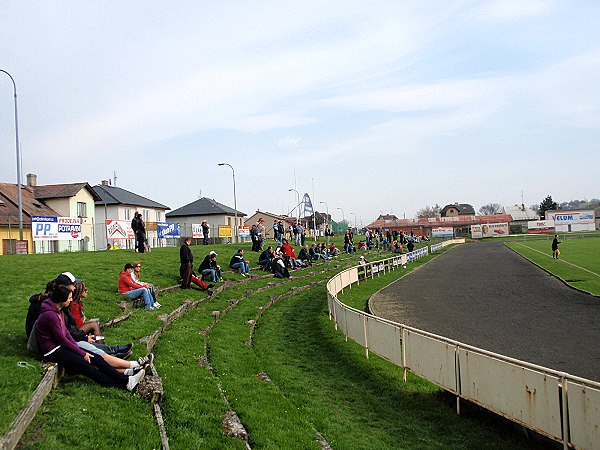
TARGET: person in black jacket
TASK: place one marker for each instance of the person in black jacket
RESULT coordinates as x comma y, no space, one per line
186,261
555,251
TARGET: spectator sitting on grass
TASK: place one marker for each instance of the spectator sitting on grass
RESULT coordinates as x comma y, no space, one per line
57,345
239,263
209,267
278,266
132,289
265,258
304,255
135,276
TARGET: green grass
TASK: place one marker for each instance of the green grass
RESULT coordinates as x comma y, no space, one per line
321,383
578,264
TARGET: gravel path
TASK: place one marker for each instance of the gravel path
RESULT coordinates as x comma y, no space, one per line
486,295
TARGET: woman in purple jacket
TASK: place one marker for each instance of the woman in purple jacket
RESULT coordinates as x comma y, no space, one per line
57,345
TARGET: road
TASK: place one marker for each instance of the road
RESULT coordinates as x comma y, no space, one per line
486,295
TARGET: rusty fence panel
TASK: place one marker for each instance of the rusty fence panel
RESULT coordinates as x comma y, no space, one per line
384,339
519,393
584,415
431,358
355,326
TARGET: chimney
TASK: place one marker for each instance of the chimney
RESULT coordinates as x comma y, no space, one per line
31,180
104,182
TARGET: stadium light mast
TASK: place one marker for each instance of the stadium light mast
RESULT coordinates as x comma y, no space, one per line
297,205
19,195
234,201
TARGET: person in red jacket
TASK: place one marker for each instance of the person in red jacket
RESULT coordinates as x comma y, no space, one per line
78,312
132,289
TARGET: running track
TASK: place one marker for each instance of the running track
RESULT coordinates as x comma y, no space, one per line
486,295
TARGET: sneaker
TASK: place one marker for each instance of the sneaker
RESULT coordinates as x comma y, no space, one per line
134,380
150,308
124,349
146,360
243,274
124,355
157,305
210,286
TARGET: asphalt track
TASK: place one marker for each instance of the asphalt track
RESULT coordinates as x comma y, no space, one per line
486,295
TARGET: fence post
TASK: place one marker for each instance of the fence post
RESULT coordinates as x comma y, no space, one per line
565,412
366,336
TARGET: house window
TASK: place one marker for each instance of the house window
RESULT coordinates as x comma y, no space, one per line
146,215
81,209
158,216
127,214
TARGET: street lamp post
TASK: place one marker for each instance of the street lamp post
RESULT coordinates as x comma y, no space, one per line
19,195
297,205
234,201
327,209
343,218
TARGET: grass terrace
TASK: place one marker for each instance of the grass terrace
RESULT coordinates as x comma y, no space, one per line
270,354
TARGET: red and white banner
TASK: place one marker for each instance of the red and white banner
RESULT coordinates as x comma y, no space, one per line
119,229
197,232
489,230
540,227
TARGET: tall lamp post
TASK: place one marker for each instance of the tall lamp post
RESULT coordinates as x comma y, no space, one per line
19,195
327,209
234,201
297,205
343,218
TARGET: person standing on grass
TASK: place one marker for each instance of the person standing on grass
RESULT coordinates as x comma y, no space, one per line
555,250
186,261
205,232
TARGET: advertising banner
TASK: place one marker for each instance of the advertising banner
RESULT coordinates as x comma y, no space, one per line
571,217
476,232
540,227
168,230
119,229
225,231
244,232
442,232
48,228
197,232
494,229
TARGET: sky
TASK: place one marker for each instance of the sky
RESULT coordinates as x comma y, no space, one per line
379,107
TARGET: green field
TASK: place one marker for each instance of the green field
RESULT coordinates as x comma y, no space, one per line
578,264
321,384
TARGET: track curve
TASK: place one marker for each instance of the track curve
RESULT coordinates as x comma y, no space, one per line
486,295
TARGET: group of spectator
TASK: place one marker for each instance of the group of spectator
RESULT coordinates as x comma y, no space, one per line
58,332
280,260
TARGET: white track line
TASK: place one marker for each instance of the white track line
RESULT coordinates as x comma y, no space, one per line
561,260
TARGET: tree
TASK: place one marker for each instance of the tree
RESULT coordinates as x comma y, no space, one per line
547,205
429,211
491,208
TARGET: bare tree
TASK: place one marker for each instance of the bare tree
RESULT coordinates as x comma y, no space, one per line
429,211
491,208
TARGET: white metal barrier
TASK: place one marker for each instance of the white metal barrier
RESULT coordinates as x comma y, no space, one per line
556,404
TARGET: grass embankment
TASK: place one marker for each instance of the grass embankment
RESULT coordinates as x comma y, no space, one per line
320,383
578,263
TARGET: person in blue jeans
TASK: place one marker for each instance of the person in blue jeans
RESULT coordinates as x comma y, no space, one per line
238,262
210,267
132,289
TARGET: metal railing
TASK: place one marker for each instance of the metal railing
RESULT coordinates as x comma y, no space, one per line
556,404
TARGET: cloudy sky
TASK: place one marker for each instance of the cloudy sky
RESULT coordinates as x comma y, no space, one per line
372,107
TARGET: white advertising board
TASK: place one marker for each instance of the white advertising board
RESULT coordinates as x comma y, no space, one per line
48,228
442,232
